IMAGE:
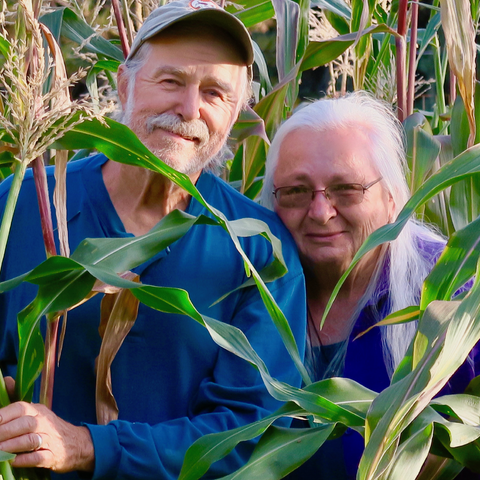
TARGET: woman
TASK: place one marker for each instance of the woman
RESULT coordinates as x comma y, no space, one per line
335,173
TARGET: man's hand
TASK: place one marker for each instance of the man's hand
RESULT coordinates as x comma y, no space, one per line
41,439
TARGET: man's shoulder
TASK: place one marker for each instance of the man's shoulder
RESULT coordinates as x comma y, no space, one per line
73,168
234,204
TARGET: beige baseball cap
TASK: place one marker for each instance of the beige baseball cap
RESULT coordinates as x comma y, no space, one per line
206,12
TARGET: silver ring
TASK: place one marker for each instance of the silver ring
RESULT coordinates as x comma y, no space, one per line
40,441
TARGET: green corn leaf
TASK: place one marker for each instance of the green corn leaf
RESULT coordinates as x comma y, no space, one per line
289,38
265,83
77,30
430,32
248,124
4,46
422,149
250,161
461,167
406,315
323,52
338,7
462,406
53,20
254,11
455,266
287,13
119,143
436,356
210,448
411,455
280,451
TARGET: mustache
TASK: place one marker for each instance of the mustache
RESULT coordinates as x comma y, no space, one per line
193,129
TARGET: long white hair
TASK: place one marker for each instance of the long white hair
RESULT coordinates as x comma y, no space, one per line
408,263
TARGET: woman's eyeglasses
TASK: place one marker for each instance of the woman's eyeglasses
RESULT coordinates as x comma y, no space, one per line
341,195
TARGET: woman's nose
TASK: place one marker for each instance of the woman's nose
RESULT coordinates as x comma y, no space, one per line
321,209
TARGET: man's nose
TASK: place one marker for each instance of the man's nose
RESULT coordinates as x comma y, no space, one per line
321,209
189,104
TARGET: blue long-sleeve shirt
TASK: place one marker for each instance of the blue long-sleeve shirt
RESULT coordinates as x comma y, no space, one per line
172,383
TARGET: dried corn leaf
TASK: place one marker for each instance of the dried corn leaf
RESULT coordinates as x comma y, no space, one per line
118,314
460,41
62,101
60,200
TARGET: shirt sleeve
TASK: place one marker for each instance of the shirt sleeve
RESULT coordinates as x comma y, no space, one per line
233,396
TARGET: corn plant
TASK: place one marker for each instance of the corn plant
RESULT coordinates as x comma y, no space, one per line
401,424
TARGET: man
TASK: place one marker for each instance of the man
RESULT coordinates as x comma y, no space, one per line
181,88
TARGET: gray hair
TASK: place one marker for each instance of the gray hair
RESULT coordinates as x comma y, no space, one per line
408,265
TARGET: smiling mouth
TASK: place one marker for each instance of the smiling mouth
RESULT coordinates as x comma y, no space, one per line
179,135
326,235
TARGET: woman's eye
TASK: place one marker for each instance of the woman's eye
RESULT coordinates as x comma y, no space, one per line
295,190
345,188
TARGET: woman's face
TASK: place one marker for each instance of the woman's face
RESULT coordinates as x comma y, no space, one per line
328,235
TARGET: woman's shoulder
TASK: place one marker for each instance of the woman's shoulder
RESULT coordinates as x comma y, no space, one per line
430,244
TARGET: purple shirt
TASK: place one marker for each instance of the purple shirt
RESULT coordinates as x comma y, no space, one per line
362,360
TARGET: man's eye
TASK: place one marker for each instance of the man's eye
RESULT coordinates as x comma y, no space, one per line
170,81
213,93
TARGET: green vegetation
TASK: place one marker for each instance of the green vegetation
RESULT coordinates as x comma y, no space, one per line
372,45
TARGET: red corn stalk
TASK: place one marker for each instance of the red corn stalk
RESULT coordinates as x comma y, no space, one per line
41,186
121,28
413,58
46,386
400,43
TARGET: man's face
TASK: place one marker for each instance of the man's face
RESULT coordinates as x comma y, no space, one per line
186,98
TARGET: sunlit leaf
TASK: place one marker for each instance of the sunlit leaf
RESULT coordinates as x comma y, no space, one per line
455,266
323,52
411,455
430,32
77,30
461,167
280,451
4,46
436,356
408,314
460,42
462,406
210,448
255,11
265,83
422,149
339,7
249,123
464,200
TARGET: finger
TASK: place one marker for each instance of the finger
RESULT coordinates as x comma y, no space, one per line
30,442
16,410
38,458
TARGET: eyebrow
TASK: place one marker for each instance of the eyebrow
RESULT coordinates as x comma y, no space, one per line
337,179
181,72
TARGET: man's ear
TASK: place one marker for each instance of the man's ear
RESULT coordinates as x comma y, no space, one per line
122,84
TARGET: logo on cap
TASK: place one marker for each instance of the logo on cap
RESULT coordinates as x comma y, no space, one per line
198,4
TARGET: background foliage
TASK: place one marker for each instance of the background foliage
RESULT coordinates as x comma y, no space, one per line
379,46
